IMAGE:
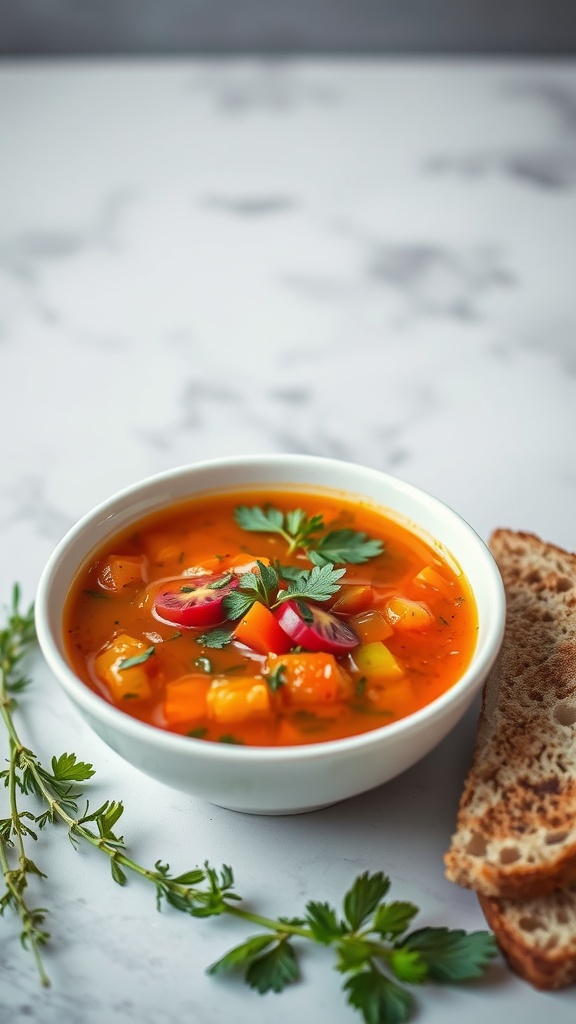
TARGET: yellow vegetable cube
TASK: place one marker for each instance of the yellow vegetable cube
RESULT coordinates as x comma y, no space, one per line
376,661
130,682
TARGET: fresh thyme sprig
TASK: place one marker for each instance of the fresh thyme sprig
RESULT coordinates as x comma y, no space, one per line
308,534
374,950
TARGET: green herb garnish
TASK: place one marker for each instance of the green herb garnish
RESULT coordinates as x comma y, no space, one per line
137,659
373,948
317,584
308,534
277,678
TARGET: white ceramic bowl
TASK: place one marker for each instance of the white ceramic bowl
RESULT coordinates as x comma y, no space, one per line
280,780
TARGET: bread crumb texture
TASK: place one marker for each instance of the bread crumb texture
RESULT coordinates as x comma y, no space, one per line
516,828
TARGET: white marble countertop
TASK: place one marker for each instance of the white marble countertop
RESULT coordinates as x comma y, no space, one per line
369,260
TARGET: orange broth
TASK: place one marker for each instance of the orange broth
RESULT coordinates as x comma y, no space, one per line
412,610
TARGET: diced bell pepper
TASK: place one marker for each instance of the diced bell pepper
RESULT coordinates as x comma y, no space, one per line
259,630
374,660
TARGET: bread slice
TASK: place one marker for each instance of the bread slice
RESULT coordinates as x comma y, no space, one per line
537,936
516,825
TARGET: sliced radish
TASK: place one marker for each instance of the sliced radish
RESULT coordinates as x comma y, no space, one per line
315,629
196,601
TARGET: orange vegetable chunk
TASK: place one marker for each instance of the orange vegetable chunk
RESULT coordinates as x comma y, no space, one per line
185,699
259,630
409,615
233,700
309,677
118,571
353,598
430,577
371,626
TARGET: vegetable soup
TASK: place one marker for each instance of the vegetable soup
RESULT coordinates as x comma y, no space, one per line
269,618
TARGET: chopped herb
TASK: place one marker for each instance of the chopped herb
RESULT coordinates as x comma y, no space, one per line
228,738
198,733
187,589
175,636
203,663
221,582
138,659
130,696
277,678
215,638
98,594
361,686
443,621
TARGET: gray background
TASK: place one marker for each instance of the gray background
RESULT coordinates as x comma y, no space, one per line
60,27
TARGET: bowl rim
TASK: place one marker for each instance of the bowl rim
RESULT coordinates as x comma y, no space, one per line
162,740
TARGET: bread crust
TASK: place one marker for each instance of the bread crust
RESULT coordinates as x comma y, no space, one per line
516,828
537,937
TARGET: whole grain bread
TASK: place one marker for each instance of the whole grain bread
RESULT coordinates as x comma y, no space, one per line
537,936
516,828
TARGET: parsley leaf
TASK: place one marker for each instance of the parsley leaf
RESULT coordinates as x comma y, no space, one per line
351,546
392,919
241,954
323,922
362,899
215,638
295,527
379,999
306,533
274,970
452,955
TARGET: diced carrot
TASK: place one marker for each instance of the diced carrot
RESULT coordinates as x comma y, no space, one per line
118,571
259,630
375,660
409,615
125,683
371,626
185,699
234,700
430,577
353,598
309,677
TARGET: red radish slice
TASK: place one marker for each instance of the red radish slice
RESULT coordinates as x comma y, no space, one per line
198,601
315,629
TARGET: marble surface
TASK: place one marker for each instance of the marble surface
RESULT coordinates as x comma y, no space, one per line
370,260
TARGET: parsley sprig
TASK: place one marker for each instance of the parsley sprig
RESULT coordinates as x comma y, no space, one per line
374,950
317,584
309,535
